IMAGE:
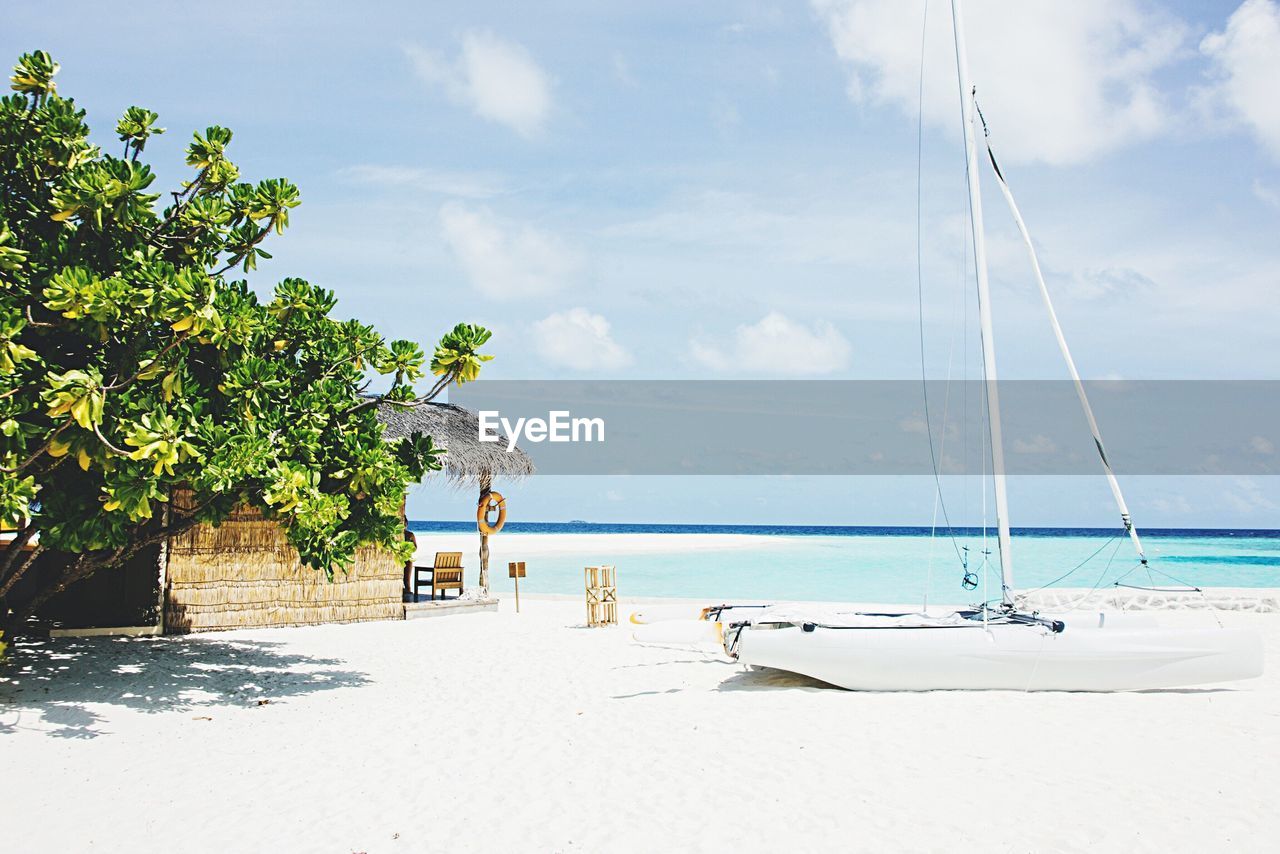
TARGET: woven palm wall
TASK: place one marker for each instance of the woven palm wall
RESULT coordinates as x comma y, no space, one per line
244,574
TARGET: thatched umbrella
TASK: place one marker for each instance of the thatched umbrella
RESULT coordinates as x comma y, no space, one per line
468,462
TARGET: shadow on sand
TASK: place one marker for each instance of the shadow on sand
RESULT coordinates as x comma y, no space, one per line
768,679
754,679
52,684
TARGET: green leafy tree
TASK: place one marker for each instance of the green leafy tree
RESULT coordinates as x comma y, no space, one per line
134,364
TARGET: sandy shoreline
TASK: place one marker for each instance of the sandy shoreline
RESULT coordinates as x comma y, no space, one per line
609,546
528,732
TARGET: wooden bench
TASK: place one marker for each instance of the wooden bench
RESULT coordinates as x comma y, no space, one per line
445,574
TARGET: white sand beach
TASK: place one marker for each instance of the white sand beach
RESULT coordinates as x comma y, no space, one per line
506,732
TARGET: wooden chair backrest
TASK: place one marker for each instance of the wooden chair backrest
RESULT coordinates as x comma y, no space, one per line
448,560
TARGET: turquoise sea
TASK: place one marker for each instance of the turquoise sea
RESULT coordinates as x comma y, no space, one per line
872,564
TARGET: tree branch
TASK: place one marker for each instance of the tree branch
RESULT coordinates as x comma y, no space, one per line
70,574
431,395
110,447
31,459
262,235
85,564
11,552
181,200
31,321
178,339
19,572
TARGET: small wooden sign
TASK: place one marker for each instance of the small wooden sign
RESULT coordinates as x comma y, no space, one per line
515,569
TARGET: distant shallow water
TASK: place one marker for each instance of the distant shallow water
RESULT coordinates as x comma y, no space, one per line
834,530
1229,560
857,564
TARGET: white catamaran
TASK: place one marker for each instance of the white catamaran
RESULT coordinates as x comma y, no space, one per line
986,647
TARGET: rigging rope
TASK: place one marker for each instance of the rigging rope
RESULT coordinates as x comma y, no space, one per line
939,502
1101,576
1073,569
1190,588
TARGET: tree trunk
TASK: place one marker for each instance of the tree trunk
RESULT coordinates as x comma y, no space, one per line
485,486
19,571
76,567
60,577
14,549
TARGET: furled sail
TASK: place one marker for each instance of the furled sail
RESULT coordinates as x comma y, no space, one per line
1066,351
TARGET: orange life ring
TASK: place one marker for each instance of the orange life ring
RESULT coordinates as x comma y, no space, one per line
490,502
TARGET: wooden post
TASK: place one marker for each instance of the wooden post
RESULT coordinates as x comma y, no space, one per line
515,569
486,484
602,595
609,596
162,571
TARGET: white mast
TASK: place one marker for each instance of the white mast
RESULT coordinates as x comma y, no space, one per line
968,112
1066,355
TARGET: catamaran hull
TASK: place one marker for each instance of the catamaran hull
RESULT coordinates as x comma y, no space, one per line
1003,657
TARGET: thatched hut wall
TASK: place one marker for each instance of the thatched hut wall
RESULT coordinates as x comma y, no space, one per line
244,574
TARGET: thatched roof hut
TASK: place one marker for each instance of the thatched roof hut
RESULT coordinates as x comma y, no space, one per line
244,573
467,460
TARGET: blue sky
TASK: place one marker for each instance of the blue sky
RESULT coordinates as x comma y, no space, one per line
671,190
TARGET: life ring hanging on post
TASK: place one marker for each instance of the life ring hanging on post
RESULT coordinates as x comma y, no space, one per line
491,502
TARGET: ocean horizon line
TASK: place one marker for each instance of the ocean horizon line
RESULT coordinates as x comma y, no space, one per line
584,527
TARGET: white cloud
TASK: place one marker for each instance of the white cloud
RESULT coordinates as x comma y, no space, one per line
777,345
471,185
916,424
1059,82
747,223
1038,444
913,424
1108,282
1262,445
497,79
506,260
1246,66
1248,498
622,71
1172,505
579,340
725,116
1267,195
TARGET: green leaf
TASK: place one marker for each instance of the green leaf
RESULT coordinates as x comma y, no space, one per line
33,75
130,365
